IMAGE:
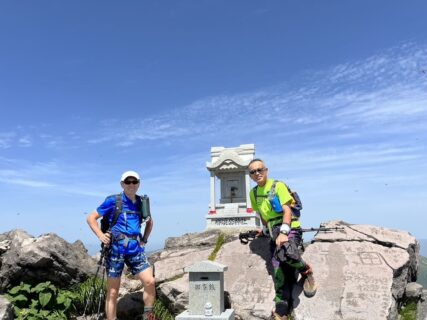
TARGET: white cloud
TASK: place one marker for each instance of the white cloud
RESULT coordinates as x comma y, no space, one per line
25,141
380,90
27,183
6,139
376,94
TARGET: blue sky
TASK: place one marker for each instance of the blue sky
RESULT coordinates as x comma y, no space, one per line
333,94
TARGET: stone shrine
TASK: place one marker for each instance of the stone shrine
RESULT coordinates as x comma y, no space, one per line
233,210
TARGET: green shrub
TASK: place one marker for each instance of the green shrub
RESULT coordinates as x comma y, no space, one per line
42,302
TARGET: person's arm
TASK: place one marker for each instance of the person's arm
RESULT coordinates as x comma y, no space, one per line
148,227
93,224
287,218
287,215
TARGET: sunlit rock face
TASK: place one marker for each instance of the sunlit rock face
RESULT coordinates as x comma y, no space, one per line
361,271
6,311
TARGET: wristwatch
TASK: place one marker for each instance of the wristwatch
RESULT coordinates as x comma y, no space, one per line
285,228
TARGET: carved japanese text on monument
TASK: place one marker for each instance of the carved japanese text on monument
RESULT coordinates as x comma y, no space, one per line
370,258
249,291
231,221
204,287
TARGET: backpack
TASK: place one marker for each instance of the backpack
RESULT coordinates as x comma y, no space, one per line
143,205
274,201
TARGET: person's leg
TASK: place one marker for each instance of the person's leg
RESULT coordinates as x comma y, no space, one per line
149,283
113,286
281,287
114,265
140,267
310,286
295,260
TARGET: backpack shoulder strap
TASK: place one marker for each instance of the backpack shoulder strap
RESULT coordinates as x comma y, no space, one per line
255,189
117,209
272,191
273,187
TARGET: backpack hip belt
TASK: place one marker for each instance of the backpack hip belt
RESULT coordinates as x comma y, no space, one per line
121,236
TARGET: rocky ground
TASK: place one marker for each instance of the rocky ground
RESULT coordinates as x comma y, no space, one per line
363,272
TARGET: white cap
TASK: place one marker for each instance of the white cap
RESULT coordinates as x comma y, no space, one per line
128,174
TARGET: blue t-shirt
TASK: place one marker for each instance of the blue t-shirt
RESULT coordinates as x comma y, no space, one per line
128,221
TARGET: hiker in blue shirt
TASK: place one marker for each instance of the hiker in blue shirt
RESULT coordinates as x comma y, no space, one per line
120,231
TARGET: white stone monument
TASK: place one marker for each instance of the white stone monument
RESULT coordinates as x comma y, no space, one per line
206,294
230,166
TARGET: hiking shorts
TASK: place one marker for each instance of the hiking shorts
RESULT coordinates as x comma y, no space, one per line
115,263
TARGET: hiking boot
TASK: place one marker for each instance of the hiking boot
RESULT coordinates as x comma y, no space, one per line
309,286
280,310
275,316
149,316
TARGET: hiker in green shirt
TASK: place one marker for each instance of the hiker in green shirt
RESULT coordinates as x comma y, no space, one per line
279,213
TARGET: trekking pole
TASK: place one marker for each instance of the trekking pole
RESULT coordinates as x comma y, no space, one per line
101,291
92,288
323,229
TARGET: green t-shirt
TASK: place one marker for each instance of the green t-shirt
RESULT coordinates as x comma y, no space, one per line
263,206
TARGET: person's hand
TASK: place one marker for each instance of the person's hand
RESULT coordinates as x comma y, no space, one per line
143,242
259,233
105,238
281,239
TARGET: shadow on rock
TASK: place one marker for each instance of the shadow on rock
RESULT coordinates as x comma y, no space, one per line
261,247
130,306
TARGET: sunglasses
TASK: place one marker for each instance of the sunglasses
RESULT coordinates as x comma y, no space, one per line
131,182
259,170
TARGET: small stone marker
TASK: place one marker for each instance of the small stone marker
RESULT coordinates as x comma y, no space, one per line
206,294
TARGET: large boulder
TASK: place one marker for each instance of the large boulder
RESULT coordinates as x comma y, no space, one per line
45,258
6,310
181,252
248,278
248,285
361,270
184,251
130,304
206,239
422,307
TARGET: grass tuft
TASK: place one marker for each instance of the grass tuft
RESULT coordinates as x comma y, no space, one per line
219,242
161,311
409,311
